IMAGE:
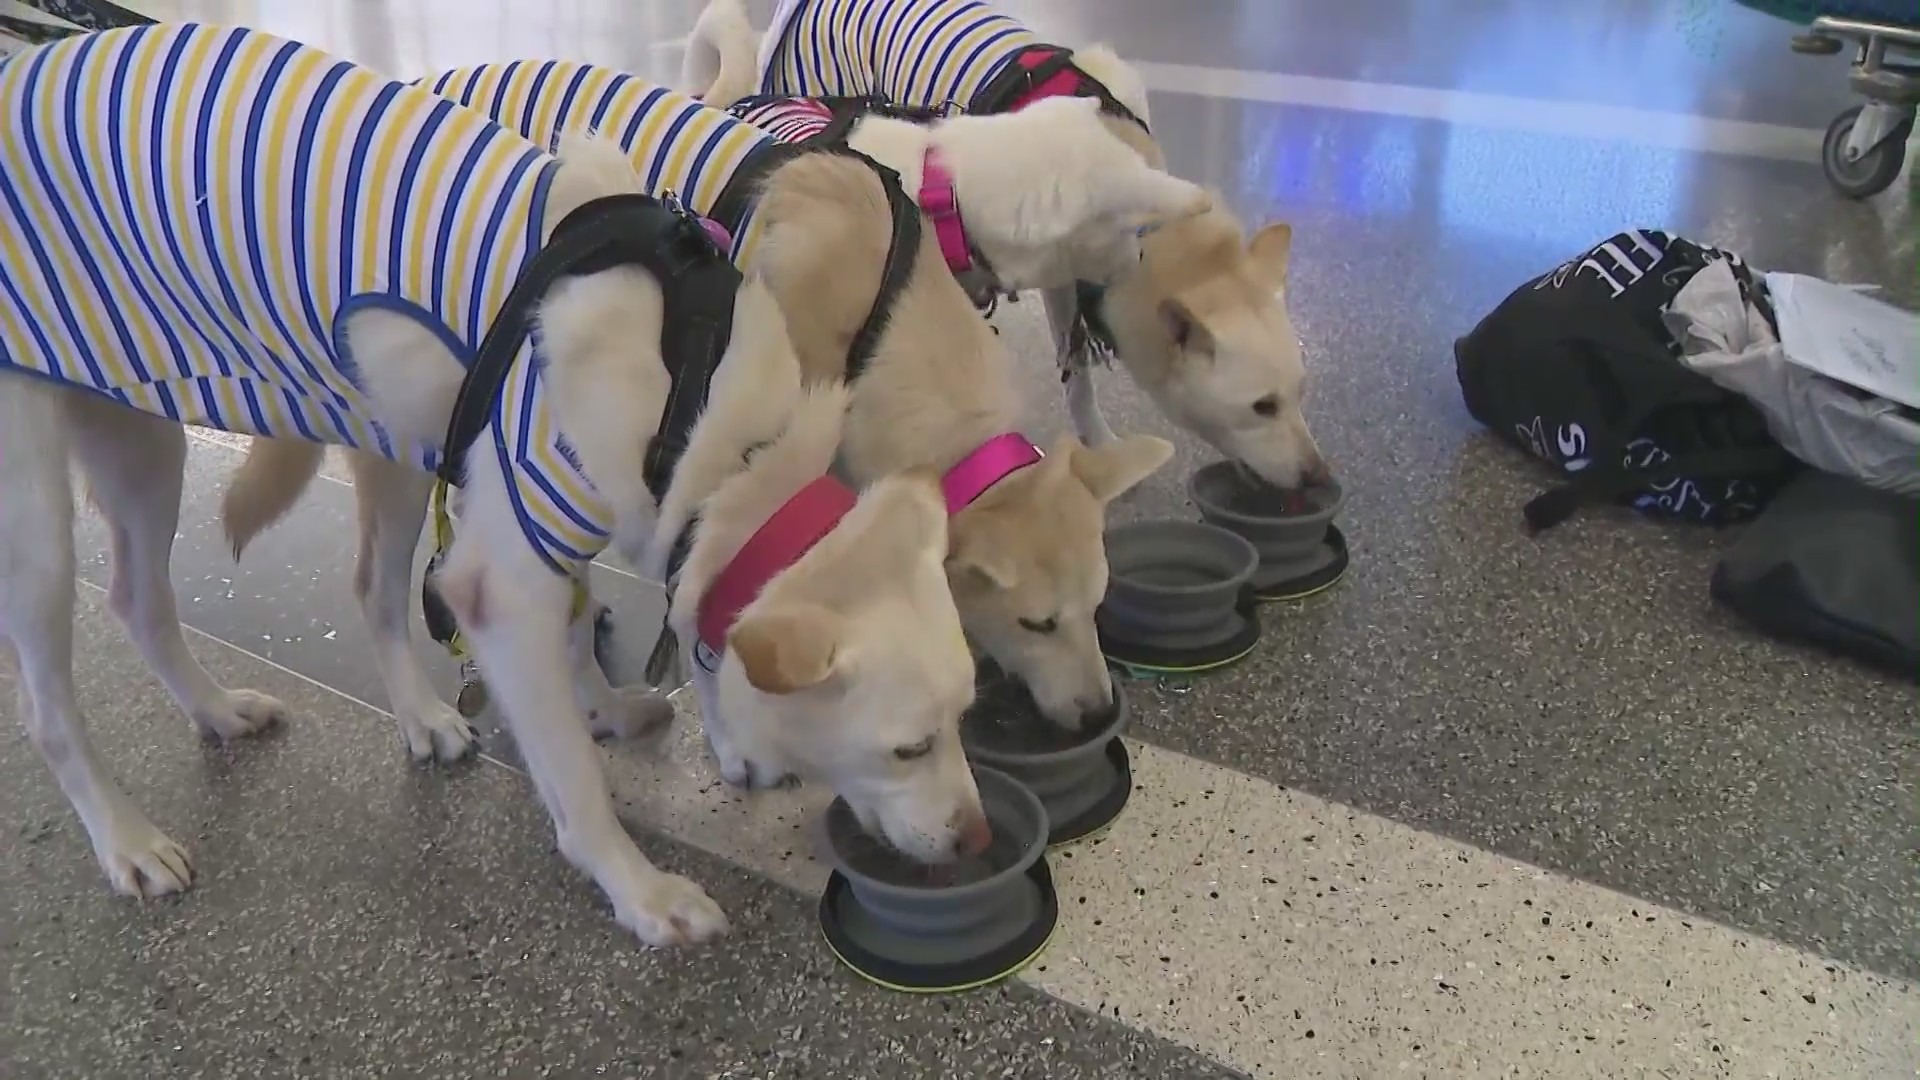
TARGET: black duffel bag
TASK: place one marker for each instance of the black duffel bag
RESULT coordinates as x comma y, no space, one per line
1577,368
1834,563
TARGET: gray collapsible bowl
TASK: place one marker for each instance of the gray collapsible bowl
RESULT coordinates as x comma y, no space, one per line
932,929
1082,778
1175,584
1293,547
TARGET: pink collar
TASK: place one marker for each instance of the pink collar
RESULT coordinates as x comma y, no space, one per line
792,531
942,206
991,462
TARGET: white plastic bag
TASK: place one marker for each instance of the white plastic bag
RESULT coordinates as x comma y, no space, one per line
1828,333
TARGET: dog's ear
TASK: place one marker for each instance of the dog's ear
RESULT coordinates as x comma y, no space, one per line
1269,252
1111,470
787,649
1190,336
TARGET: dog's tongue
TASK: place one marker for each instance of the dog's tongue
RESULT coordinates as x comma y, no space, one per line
1294,501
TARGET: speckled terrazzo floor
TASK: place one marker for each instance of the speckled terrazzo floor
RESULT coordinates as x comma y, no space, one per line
1493,806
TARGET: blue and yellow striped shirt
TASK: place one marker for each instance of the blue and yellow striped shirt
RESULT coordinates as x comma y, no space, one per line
676,144
189,213
914,52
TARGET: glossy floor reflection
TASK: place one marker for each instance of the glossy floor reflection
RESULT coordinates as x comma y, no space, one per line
1360,854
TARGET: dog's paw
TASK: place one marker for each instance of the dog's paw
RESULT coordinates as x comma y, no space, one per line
671,911
239,713
632,712
736,770
143,862
435,731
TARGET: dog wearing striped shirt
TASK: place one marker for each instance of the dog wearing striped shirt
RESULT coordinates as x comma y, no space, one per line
931,382
159,266
1199,320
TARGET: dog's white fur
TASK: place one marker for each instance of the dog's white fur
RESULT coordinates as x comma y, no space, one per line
601,336
1201,325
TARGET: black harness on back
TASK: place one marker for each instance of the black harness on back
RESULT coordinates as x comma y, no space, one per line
697,285
750,179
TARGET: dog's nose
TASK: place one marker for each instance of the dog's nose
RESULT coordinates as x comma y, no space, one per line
1317,474
1099,716
975,833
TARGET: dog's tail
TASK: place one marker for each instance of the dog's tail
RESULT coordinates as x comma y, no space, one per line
722,61
266,486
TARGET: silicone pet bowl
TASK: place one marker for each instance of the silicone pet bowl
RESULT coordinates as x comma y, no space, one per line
932,928
1082,778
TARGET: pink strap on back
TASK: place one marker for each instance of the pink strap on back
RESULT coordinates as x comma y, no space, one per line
990,463
718,234
792,531
942,206
1062,83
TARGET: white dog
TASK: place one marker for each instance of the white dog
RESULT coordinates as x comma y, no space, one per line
1200,321
337,291
867,300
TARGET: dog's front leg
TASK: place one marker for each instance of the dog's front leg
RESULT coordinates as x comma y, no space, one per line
1076,368
625,712
393,505
514,612
706,694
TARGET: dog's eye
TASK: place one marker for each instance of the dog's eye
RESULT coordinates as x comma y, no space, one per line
1268,406
1040,626
917,750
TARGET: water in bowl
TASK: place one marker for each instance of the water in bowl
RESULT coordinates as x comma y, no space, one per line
1003,718
873,857
1254,498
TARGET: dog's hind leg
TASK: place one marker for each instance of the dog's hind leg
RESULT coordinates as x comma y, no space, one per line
1076,368
134,465
393,505
36,615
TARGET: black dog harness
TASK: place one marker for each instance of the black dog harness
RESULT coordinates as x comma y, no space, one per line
697,284
904,243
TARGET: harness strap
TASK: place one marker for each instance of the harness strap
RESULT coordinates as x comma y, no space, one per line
902,245
743,187
1035,73
698,286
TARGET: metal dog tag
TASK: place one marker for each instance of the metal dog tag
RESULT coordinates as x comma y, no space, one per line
473,697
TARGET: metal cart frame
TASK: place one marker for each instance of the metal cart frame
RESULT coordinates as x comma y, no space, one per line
1866,146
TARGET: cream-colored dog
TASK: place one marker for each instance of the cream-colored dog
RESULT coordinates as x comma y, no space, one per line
1198,315
386,370
1028,562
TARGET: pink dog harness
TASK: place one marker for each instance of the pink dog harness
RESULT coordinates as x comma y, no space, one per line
941,205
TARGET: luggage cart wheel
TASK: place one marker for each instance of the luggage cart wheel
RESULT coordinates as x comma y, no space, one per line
1870,173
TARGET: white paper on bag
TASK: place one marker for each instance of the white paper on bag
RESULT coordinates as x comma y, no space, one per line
1848,336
